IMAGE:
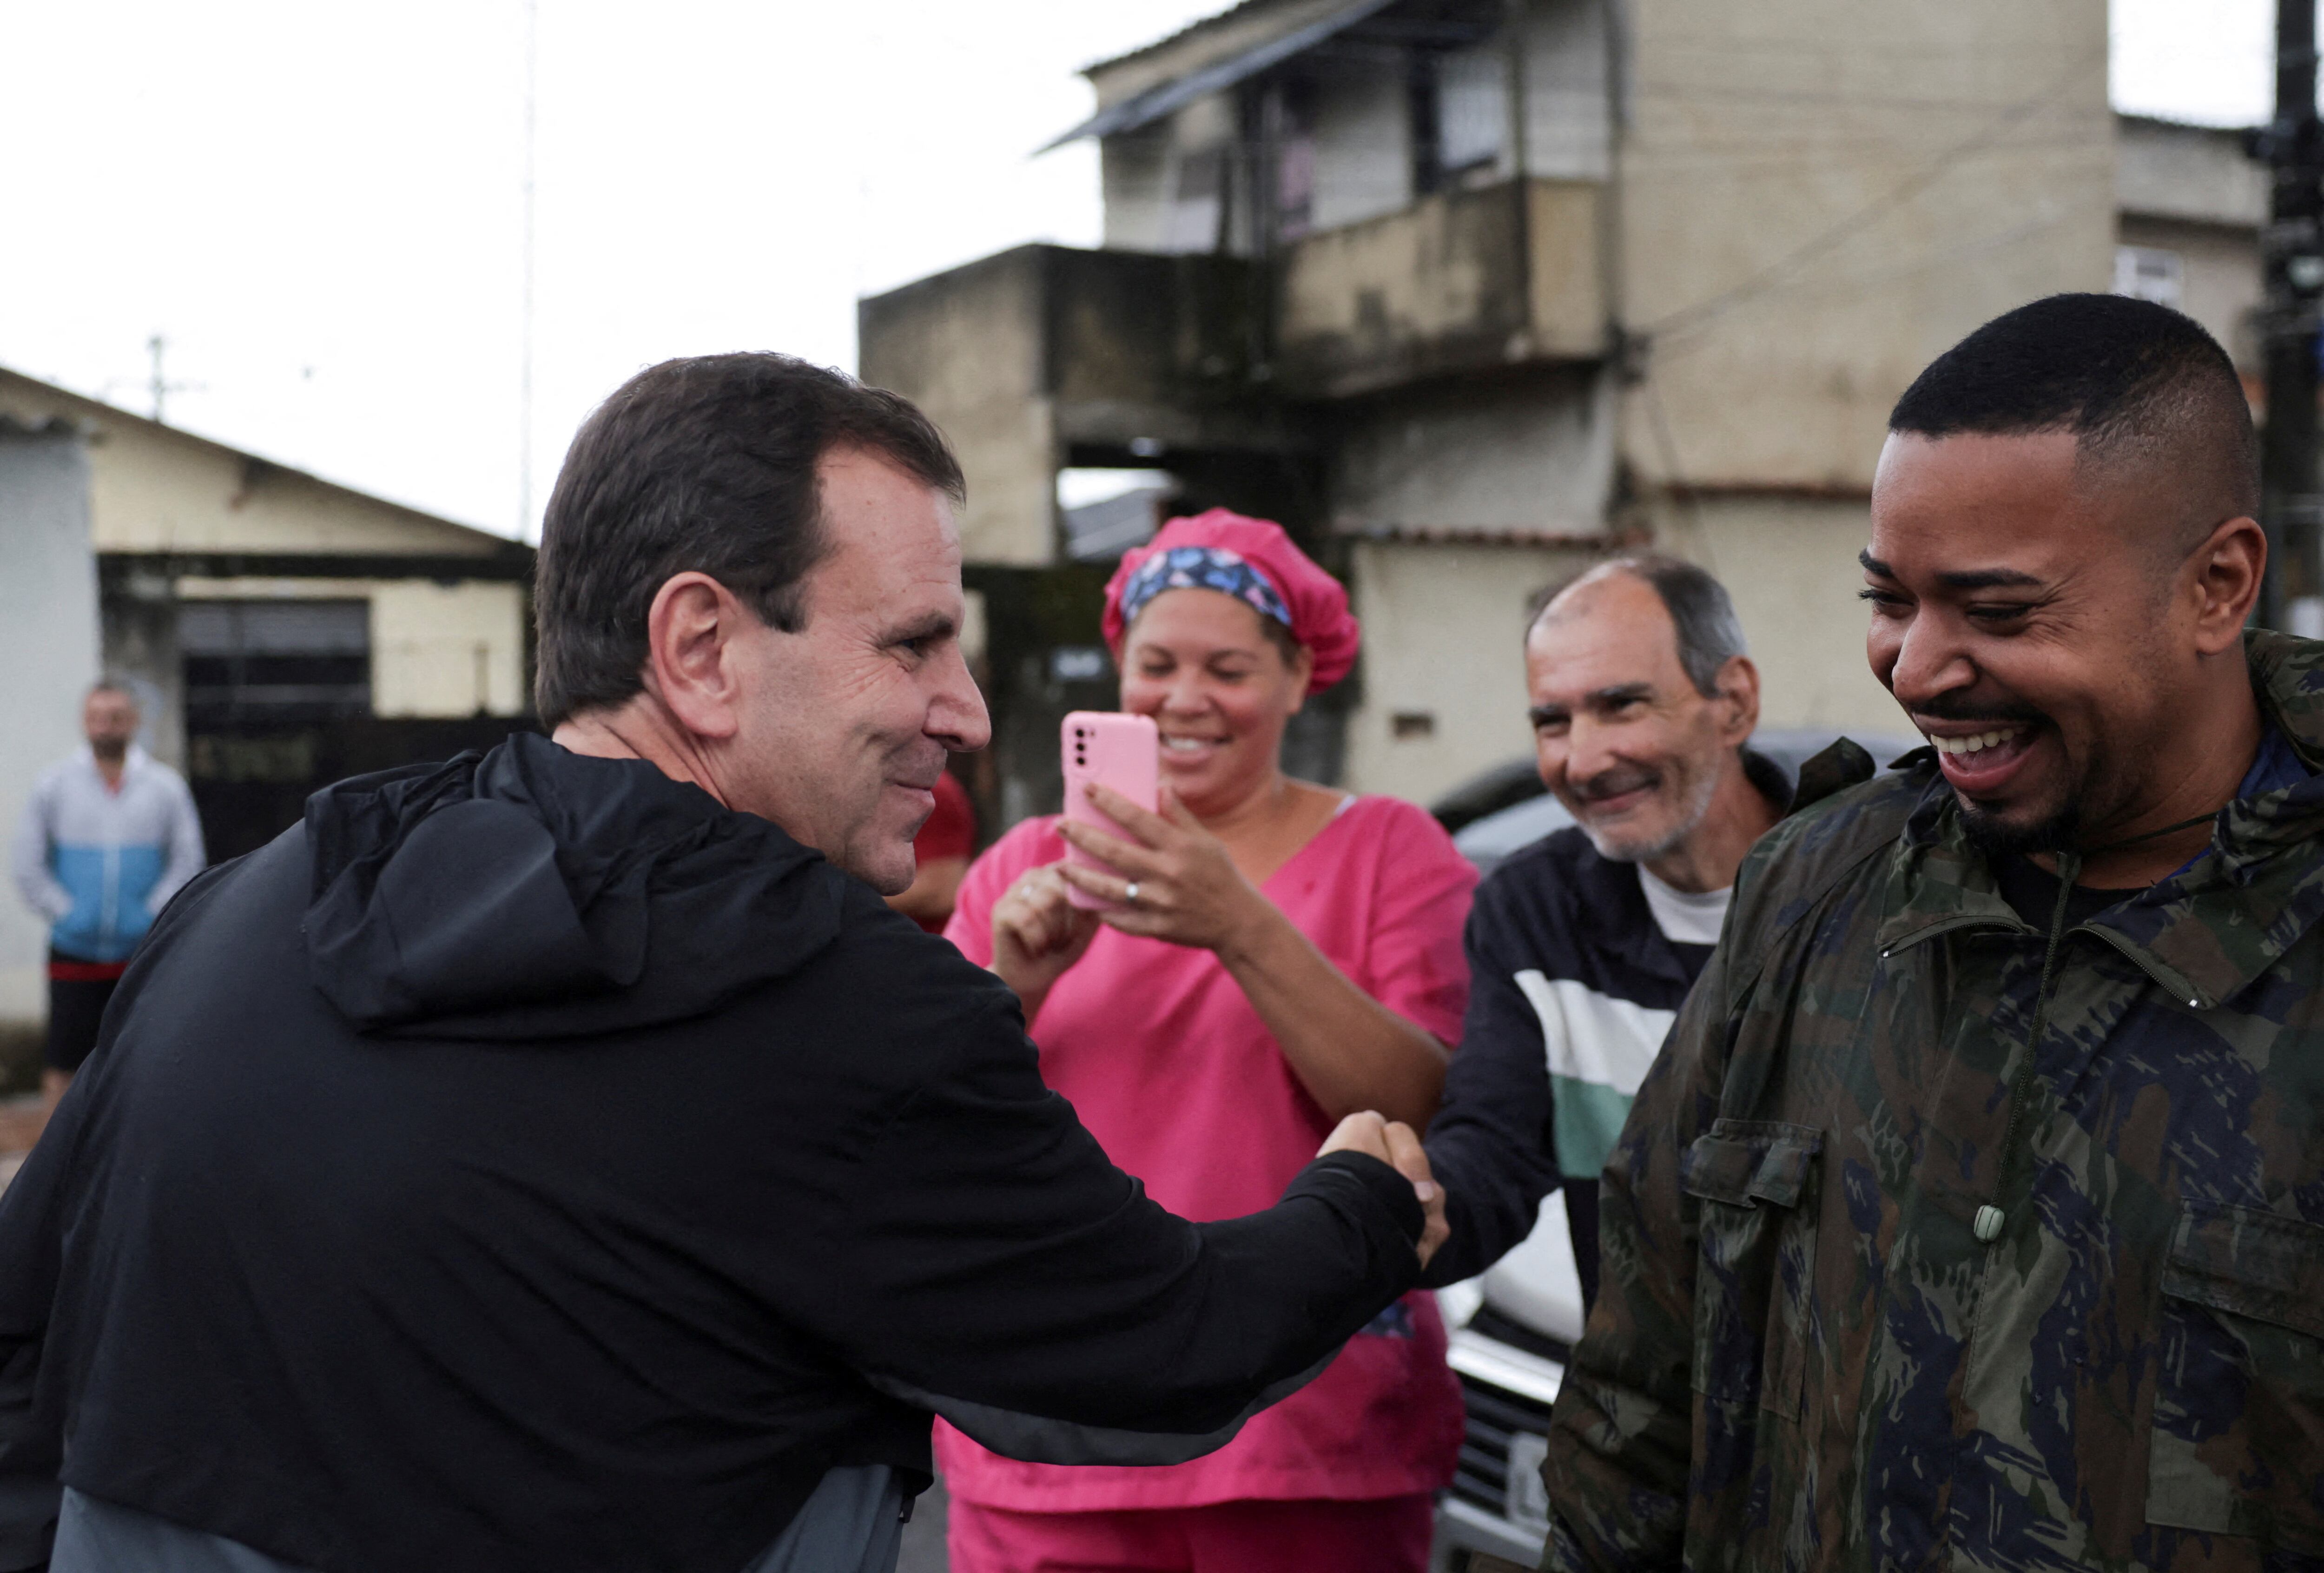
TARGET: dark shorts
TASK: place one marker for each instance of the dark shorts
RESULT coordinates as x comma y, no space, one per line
78,992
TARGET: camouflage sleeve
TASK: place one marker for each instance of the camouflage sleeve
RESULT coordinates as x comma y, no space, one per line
1620,1438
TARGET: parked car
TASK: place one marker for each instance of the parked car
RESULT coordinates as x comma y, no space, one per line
1513,1327
1497,812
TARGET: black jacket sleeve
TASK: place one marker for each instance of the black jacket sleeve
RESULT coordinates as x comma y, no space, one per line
1493,1142
32,1431
999,1270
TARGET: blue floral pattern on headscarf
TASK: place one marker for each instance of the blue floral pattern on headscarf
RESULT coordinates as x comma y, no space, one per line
1202,568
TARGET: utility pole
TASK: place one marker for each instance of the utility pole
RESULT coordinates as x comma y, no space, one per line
2292,256
158,386
524,369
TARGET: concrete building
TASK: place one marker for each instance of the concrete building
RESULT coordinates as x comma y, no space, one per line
281,631
1471,293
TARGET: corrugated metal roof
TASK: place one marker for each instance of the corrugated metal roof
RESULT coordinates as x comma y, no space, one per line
1168,97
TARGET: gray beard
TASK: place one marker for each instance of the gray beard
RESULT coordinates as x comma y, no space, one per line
1698,809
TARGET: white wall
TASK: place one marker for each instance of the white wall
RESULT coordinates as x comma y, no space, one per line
446,650
1790,564
48,659
1443,644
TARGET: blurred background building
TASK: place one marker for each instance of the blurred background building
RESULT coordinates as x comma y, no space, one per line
1469,292
279,632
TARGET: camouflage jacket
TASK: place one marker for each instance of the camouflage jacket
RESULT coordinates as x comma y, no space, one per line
1806,1352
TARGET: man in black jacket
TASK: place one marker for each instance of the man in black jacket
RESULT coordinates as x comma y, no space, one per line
563,1160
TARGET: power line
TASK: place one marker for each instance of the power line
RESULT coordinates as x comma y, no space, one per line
1880,207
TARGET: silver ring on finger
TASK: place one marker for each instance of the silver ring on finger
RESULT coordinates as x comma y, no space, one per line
1129,894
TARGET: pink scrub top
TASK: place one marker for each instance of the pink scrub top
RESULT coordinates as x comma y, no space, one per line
1170,1068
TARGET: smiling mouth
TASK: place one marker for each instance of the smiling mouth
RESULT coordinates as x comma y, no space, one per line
1967,750
1182,744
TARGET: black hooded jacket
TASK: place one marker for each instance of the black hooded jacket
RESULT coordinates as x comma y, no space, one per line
529,1164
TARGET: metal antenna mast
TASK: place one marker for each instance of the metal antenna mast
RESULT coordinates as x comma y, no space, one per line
159,386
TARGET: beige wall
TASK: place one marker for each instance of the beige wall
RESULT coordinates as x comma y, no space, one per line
1444,636
1530,456
435,650
966,345
1790,564
2221,278
154,489
1818,197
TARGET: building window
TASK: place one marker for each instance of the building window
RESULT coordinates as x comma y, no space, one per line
1459,116
1472,109
2146,272
274,660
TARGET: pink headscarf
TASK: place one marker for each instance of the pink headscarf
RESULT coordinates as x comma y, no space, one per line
1290,586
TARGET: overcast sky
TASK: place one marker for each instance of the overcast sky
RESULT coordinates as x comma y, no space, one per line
316,205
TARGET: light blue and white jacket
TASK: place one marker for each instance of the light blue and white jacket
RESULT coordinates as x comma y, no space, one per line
100,862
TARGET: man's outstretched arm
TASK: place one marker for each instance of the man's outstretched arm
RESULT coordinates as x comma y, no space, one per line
998,1270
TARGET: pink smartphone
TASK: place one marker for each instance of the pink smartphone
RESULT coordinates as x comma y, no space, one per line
1121,752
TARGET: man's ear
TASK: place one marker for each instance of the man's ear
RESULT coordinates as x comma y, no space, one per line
1738,693
692,635
2224,575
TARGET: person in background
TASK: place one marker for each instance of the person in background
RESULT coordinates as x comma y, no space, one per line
1582,946
1280,954
108,837
940,855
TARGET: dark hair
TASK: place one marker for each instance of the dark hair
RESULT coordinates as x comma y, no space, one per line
2130,379
706,464
1710,633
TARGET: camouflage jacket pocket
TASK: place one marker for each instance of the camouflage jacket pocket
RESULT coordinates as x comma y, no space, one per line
2238,1444
1756,1268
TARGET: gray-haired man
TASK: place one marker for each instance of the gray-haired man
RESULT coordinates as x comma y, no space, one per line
1582,946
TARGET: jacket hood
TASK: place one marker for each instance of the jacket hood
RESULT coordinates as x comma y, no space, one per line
535,893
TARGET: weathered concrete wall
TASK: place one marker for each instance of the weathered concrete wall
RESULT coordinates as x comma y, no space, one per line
2195,172
1529,453
156,489
446,650
1790,564
1443,662
967,345
1458,282
2220,278
1820,195
48,659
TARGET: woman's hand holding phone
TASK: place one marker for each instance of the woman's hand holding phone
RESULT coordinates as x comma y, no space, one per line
1189,890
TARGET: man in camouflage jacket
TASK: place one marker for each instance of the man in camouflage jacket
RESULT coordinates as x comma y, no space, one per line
1943,1238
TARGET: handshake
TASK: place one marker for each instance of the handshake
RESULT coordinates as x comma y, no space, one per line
1394,1143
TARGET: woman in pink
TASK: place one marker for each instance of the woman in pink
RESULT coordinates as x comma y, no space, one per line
1282,955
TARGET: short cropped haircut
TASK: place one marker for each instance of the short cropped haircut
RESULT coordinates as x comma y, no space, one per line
705,465
1710,633
2135,382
